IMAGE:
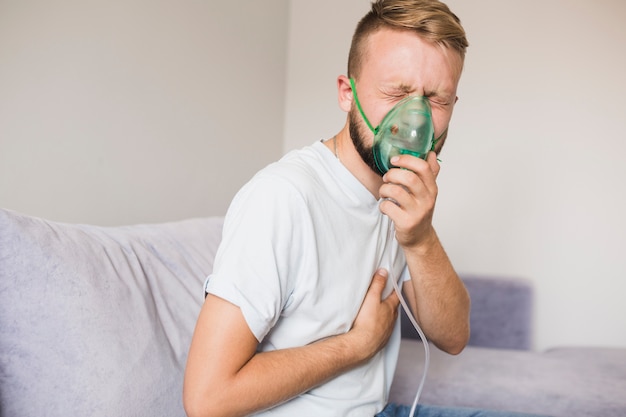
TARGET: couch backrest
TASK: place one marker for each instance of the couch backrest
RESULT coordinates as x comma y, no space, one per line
96,321
501,312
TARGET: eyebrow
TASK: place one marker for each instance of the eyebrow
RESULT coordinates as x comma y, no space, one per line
408,89
402,88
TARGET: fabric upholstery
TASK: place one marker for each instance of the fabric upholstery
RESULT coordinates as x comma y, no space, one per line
501,313
572,382
97,321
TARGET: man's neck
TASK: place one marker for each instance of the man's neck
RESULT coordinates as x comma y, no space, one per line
343,148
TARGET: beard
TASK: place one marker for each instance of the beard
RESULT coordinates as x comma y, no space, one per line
357,135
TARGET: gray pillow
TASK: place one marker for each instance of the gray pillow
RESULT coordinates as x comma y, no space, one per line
96,321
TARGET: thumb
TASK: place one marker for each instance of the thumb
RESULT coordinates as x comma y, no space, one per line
378,285
434,163
379,281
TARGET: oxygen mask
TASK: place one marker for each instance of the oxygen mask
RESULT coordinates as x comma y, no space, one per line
406,129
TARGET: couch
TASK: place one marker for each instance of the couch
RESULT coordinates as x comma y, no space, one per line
96,321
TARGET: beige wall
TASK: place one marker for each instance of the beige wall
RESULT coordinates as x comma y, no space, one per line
124,111
532,181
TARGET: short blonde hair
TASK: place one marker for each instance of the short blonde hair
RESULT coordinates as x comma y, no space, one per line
430,19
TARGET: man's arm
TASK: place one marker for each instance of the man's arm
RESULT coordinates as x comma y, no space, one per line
437,296
438,299
225,376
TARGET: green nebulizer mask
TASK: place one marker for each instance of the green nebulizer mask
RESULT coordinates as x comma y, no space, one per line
406,129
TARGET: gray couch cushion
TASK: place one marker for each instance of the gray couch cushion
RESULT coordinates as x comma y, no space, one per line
568,382
501,314
97,321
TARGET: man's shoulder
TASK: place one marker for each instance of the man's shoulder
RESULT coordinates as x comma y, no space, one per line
302,169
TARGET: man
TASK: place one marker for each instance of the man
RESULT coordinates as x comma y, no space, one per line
293,324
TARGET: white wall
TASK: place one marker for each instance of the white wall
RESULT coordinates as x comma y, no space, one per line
533,173
124,111
116,112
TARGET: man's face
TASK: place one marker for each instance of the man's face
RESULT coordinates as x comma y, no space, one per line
398,64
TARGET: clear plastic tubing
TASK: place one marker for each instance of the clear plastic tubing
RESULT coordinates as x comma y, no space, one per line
390,236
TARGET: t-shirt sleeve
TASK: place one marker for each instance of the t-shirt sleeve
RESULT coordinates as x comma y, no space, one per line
254,264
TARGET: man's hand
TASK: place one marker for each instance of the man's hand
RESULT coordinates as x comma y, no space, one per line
226,376
437,296
410,195
376,319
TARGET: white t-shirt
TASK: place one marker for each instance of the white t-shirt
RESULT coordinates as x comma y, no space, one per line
300,245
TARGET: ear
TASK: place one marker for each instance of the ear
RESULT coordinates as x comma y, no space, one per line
344,93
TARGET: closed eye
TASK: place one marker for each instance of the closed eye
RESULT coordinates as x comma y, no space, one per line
398,92
438,100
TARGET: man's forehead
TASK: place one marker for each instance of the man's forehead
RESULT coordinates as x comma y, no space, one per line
402,60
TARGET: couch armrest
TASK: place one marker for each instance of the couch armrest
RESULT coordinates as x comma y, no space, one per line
501,313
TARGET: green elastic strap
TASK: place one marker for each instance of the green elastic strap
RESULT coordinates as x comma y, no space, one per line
358,105
432,148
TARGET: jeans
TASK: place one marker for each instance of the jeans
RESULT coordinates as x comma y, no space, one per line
394,410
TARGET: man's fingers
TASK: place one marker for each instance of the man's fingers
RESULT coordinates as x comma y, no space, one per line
393,299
